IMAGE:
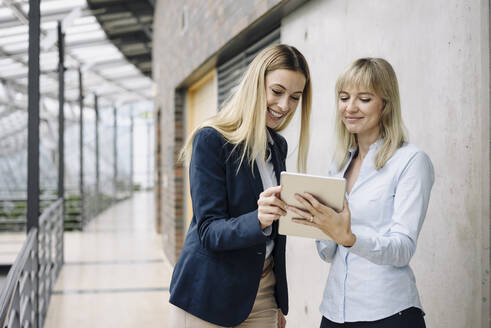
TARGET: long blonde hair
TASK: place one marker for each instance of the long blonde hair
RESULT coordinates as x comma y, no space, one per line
242,120
376,75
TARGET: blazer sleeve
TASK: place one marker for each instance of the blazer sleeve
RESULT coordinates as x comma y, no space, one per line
217,230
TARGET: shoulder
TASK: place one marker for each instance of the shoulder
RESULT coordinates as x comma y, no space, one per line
409,151
208,133
209,154
208,143
208,136
409,156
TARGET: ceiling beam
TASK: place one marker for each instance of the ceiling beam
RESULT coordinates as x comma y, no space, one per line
113,16
47,17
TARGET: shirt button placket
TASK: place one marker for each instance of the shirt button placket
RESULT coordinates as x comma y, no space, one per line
346,257
343,305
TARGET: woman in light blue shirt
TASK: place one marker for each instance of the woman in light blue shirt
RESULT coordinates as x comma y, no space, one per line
389,181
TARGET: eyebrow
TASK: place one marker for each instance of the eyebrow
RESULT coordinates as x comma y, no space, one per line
360,93
286,88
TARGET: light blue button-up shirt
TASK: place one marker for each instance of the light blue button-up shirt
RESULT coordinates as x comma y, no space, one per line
372,279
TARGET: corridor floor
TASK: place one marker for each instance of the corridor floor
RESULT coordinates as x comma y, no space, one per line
115,273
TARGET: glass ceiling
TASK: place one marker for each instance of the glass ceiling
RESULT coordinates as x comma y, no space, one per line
105,72
104,68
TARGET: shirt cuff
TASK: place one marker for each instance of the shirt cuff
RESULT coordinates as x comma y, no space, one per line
325,249
267,231
362,245
321,245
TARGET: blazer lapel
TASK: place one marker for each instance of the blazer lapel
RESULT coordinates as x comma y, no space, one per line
277,162
279,166
276,157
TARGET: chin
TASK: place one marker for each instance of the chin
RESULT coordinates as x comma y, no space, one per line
351,129
275,124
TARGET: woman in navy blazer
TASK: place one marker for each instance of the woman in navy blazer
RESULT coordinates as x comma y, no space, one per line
231,271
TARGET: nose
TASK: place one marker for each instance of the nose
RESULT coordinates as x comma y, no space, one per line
283,103
351,106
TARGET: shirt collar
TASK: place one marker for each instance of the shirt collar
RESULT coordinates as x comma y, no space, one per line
373,147
371,150
376,145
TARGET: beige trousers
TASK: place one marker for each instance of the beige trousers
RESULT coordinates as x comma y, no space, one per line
264,312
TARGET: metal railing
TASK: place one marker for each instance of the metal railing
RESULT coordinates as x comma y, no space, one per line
79,211
50,254
18,306
25,296
13,211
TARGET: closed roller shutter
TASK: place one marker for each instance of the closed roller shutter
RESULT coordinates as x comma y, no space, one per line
230,72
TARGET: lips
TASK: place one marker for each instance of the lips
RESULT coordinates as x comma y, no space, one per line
352,118
274,113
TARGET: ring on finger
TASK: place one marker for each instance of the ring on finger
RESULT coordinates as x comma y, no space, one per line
311,219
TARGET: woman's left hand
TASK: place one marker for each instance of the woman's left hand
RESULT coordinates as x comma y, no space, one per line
335,225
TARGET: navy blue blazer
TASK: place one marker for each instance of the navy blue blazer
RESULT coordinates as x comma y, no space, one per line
217,275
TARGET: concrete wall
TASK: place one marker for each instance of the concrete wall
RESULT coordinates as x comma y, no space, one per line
440,52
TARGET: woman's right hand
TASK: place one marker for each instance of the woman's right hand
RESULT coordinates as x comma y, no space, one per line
270,206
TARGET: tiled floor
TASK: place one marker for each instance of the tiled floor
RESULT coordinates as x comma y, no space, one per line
115,273
10,245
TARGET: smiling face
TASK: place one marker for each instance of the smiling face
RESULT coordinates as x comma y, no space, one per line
360,111
284,89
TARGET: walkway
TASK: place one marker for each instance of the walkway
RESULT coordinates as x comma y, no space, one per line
10,246
115,273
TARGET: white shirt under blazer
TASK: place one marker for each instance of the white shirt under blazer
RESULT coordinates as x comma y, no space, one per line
268,178
372,279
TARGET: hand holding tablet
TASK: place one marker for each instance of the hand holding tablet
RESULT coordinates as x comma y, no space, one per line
329,191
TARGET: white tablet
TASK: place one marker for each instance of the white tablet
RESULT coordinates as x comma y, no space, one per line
329,191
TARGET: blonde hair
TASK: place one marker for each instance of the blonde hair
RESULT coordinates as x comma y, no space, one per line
242,120
376,75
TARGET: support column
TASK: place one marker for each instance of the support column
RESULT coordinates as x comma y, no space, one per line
61,113
115,152
132,154
61,128
33,119
97,167
33,140
81,147
149,151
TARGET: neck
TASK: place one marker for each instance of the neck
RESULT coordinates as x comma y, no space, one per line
364,143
